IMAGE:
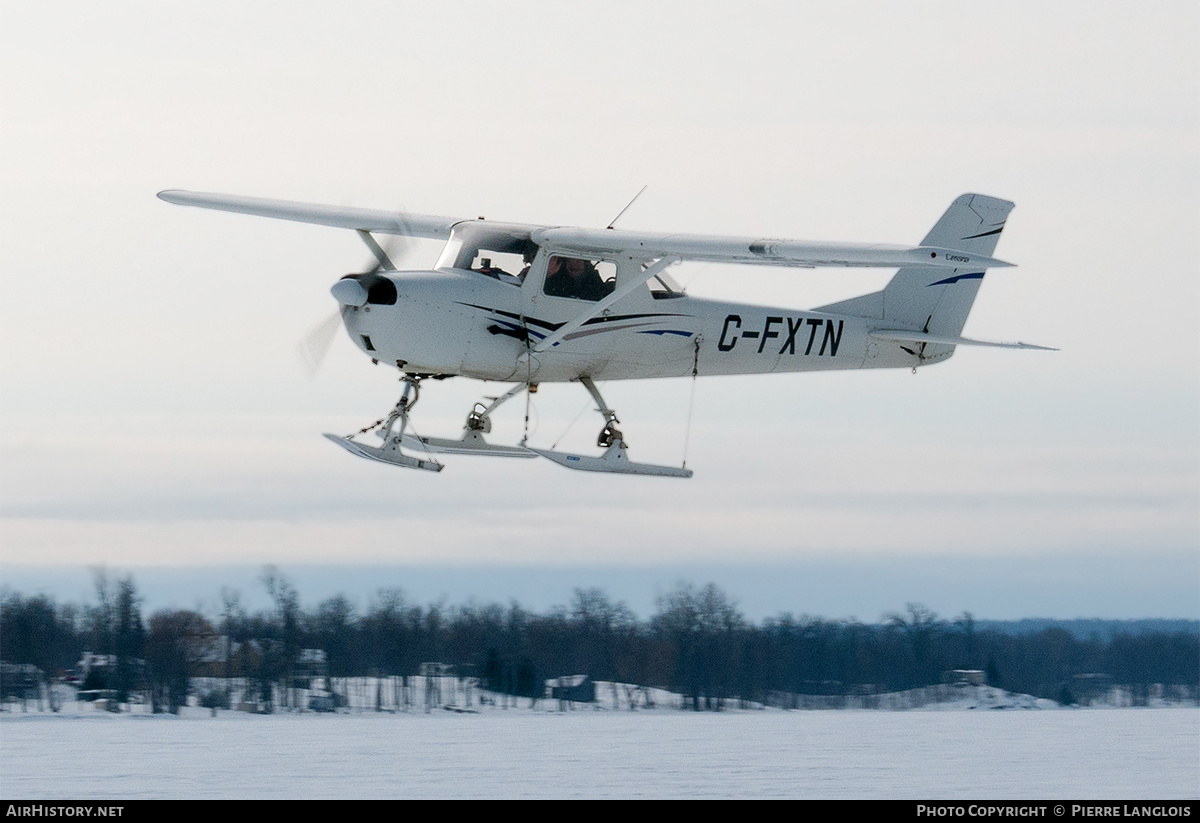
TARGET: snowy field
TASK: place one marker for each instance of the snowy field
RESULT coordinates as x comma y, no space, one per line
516,753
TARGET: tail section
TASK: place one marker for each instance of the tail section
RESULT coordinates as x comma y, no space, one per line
972,223
930,301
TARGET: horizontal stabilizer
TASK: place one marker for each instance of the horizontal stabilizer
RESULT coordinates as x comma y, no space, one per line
390,453
472,442
901,336
613,460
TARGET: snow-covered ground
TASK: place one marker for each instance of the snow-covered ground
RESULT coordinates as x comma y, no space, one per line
664,752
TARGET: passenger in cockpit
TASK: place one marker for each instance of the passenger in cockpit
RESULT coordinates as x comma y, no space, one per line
531,251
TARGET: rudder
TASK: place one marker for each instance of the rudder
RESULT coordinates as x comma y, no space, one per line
933,300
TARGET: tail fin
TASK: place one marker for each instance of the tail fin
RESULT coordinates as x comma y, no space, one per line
926,299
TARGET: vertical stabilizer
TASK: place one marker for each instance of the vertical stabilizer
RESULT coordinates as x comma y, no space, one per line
972,223
938,301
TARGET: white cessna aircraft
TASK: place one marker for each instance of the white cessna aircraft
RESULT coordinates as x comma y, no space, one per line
538,304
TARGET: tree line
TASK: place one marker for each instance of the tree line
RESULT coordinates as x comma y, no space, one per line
697,644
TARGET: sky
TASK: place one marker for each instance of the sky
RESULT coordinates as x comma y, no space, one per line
156,420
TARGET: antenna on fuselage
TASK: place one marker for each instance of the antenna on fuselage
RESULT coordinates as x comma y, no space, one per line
613,222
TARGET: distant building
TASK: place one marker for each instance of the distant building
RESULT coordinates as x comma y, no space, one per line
312,667
965,677
1092,687
97,674
578,688
20,681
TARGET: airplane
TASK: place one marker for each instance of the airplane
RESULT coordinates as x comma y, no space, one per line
532,304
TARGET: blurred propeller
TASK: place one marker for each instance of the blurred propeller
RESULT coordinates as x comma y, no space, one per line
314,346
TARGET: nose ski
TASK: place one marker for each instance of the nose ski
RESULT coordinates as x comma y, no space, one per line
390,452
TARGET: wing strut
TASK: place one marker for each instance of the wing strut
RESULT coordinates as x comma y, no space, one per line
385,262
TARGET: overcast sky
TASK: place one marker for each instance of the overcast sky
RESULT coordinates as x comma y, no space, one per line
155,413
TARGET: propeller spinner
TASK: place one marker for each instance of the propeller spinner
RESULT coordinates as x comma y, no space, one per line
353,290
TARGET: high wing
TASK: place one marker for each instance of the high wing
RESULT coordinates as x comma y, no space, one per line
758,251
342,217
599,242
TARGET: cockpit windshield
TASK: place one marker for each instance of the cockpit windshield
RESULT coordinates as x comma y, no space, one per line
494,249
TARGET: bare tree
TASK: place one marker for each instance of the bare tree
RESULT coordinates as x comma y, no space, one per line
281,655
178,641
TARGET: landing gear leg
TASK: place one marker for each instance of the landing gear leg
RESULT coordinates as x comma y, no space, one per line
412,389
478,419
471,442
610,434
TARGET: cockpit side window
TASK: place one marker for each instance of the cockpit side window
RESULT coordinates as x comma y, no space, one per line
579,278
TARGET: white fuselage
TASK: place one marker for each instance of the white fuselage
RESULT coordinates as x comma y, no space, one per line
462,322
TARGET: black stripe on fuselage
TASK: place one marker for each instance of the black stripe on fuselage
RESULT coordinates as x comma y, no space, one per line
542,324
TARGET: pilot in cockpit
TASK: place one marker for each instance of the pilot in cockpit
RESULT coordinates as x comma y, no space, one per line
574,277
531,251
